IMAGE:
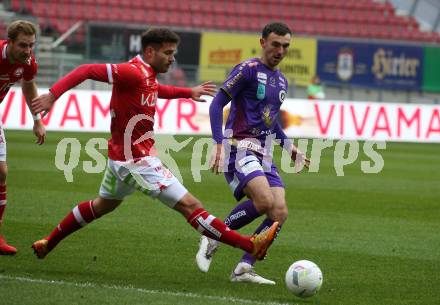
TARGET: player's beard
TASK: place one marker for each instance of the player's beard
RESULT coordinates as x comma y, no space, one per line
276,60
24,58
165,68
21,58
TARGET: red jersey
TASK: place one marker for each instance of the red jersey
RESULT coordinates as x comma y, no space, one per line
132,105
12,73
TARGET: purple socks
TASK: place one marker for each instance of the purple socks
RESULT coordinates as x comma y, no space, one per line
243,214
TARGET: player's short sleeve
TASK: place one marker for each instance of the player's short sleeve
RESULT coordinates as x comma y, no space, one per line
239,77
30,70
124,74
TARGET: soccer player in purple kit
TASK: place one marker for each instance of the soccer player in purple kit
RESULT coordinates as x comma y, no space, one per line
257,89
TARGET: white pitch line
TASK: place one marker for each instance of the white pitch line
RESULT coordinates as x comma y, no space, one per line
135,289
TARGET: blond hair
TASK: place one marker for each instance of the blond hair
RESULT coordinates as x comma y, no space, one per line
21,26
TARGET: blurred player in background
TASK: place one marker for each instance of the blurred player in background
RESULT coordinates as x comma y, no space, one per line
132,163
17,62
257,90
315,90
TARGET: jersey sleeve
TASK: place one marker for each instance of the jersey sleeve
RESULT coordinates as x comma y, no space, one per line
30,71
96,72
125,74
170,92
239,77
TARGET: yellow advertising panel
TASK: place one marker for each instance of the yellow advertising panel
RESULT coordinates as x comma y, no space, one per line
219,52
299,66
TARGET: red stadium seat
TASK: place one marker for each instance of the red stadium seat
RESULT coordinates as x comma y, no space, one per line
350,18
16,5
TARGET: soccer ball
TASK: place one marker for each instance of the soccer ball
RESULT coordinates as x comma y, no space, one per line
303,278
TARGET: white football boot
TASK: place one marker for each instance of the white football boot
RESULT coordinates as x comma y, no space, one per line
245,273
207,248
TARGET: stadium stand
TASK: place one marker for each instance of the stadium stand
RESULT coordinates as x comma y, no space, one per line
339,18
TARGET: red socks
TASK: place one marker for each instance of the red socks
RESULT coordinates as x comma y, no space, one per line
214,228
80,216
201,220
2,201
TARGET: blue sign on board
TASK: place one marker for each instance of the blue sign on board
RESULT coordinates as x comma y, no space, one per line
371,65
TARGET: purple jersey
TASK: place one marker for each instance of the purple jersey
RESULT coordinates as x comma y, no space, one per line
257,93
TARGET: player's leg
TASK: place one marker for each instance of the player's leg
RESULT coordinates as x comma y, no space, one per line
214,228
5,249
111,194
153,179
80,216
278,212
249,179
243,272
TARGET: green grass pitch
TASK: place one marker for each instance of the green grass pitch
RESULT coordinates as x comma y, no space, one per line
376,237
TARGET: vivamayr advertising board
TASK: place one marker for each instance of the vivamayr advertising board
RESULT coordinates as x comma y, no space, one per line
81,110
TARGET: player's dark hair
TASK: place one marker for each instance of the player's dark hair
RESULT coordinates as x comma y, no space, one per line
20,26
278,28
157,36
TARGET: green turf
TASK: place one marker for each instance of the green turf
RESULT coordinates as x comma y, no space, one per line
375,236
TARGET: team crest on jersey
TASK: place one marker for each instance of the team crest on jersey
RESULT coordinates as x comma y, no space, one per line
18,72
272,82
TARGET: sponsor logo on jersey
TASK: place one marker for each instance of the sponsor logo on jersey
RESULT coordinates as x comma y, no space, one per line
233,80
261,75
282,95
150,99
144,71
261,91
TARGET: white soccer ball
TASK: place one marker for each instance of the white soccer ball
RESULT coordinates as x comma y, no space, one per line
303,278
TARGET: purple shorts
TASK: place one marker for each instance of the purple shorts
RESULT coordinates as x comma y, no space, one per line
243,166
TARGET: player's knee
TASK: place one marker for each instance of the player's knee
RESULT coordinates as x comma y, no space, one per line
264,202
187,205
3,174
103,206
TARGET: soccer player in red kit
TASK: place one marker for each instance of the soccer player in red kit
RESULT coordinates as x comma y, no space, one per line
17,62
132,162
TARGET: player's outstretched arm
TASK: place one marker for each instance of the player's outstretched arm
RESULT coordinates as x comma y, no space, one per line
195,93
29,89
96,72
